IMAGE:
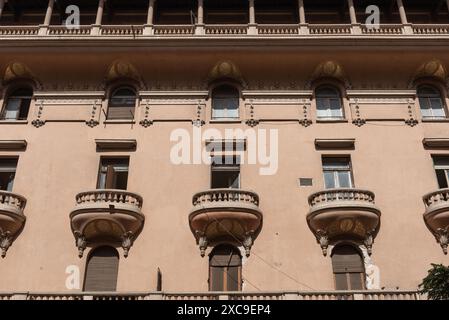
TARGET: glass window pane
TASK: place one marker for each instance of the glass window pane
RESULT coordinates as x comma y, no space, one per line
336,110
218,110
329,180
12,108
344,179
437,107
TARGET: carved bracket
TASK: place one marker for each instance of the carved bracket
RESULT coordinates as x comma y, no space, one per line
80,242
127,242
5,242
323,240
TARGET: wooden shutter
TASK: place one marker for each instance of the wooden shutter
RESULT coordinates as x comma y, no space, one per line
347,259
225,269
348,267
102,270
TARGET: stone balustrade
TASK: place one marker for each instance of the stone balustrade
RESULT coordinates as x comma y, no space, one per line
225,195
113,196
225,30
332,195
12,202
296,295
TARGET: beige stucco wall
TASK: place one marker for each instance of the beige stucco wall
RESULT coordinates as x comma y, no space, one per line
61,160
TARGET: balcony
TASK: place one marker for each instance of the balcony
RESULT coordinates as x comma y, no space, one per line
294,295
436,216
12,218
342,215
225,215
212,31
111,216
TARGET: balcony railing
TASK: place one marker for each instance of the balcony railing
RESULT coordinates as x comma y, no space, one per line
224,195
330,196
112,196
227,30
12,202
436,199
325,295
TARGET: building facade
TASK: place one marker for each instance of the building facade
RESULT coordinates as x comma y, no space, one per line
245,149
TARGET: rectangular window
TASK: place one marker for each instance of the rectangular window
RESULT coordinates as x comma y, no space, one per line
225,108
225,172
329,108
432,108
113,173
441,164
7,173
337,172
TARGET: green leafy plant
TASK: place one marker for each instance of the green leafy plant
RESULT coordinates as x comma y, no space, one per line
436,283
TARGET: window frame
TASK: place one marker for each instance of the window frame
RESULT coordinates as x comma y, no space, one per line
348,274
226,111
112,159
21,98
328,98
335,170
112,96
224,269
12,171
443,167
438,94
235,166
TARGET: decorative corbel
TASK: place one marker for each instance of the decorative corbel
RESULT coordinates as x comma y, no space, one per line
127,242
323,240
248,243
5,242
80,242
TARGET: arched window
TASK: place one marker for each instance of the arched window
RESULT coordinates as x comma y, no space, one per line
225,102
225,269
17,104
102,270
328,103
349,269
122,104
431,102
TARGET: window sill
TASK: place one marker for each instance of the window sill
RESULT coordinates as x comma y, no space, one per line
119,121
13,121
330,120
435,120
225,121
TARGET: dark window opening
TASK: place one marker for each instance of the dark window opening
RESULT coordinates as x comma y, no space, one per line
441,164
174,12
24,12
225,102
348,268
7,173
389,11
122,104
18,104
225,269
129,12
226,12
279,12
327,12
225,172
113,173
